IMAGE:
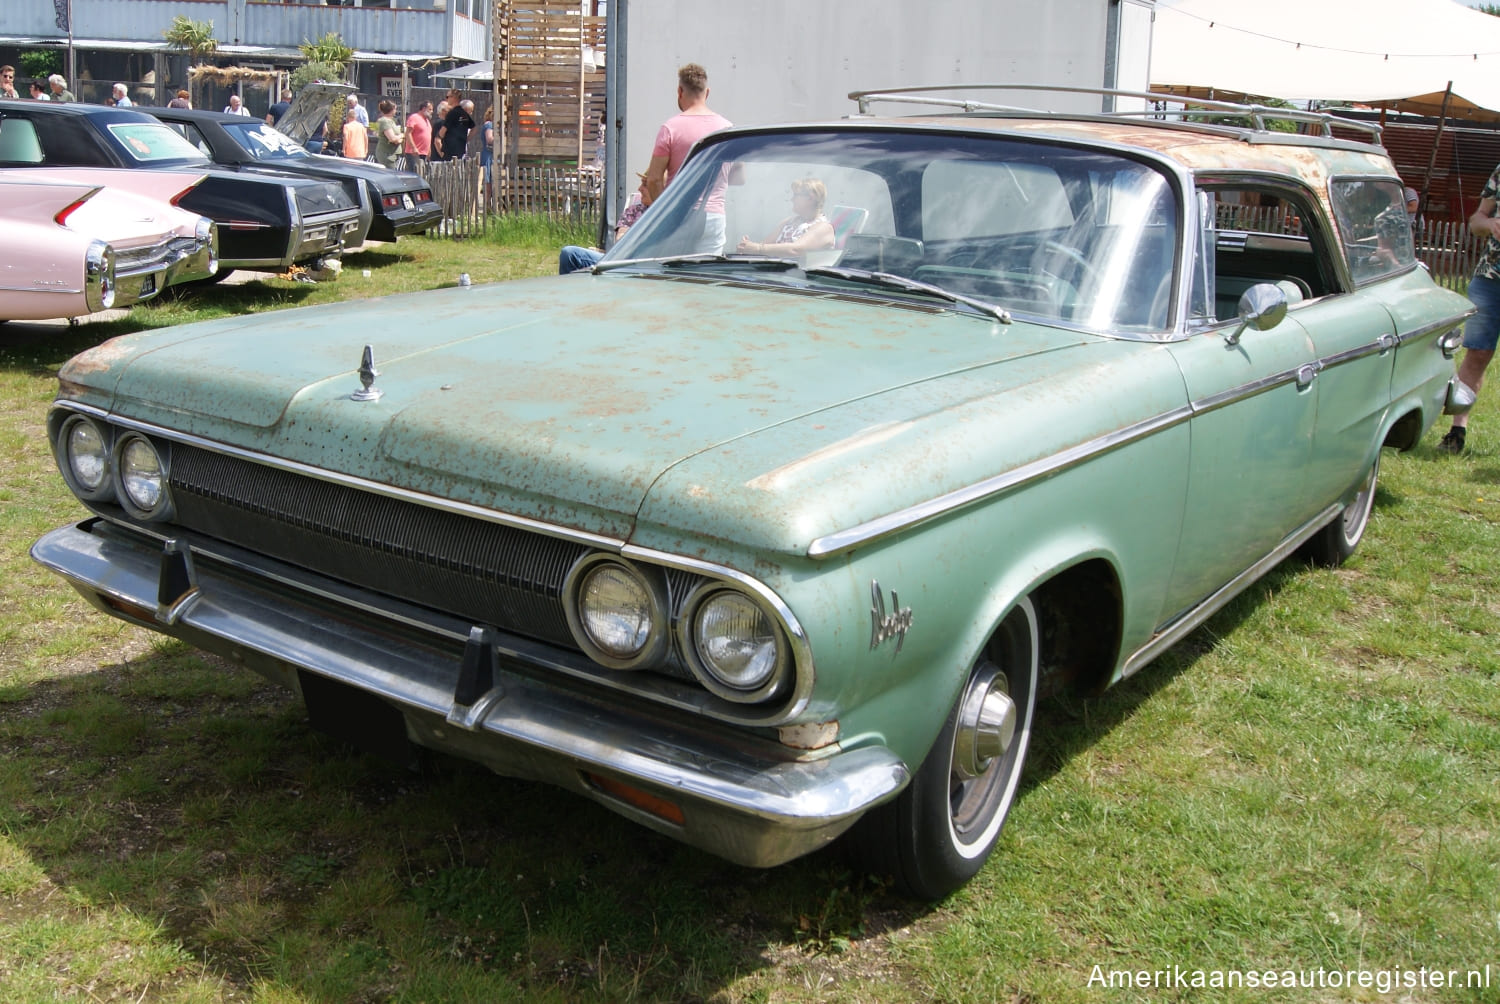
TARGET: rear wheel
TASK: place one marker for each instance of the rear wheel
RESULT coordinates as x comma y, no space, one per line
939,831
1334,543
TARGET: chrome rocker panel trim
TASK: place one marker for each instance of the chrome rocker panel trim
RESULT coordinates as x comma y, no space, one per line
745,799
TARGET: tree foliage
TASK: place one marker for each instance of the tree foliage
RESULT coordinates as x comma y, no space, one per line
195,37
314,71
328,49
40,62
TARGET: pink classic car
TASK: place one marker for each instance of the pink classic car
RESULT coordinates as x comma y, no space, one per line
82,240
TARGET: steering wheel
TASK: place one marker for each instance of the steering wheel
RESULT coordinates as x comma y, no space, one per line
1087,272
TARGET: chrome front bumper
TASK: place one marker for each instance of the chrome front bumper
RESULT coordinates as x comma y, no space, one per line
734,794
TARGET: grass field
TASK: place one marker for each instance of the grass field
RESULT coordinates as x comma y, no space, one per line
1310,783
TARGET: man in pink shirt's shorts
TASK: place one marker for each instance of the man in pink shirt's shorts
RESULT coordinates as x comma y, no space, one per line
676,137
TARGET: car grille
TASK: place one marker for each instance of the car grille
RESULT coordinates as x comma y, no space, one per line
488,573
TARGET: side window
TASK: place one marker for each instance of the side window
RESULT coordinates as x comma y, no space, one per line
18,142
70,141
1373,226
195,136
1258,235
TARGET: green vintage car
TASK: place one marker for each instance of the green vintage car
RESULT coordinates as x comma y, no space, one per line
759,541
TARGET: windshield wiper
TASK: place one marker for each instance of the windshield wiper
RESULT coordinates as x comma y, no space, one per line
888,280
679,261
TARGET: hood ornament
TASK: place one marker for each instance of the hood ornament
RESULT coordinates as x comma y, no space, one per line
367,374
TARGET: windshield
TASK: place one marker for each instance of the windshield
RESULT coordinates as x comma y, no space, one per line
149,142
264,143
1082,236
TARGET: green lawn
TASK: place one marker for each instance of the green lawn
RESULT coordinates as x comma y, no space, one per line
1311,782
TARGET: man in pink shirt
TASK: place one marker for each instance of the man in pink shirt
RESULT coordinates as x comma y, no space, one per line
676,137
419,131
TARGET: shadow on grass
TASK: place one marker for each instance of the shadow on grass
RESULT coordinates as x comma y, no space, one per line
1069,725
191,792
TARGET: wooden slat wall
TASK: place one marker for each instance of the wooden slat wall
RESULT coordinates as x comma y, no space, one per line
551,100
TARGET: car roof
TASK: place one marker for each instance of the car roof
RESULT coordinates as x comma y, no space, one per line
79,109
1200,148
202,115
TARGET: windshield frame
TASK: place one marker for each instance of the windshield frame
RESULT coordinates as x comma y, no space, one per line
1166,182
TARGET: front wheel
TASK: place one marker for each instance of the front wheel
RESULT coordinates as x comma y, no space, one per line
1333,544
939,831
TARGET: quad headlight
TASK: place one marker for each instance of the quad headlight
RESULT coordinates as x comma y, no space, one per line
618,612
141,478
84,455
733,645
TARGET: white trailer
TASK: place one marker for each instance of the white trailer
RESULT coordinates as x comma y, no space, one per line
798,60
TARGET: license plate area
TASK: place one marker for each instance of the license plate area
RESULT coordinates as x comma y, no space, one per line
360,719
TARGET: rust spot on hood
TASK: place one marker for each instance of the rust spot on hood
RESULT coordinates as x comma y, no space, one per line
98,359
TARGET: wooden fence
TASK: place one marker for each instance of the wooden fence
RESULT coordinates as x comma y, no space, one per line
557,193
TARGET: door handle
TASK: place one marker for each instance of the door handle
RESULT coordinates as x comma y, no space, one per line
1307,374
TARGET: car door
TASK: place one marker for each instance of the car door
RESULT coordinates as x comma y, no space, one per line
1254,411
1282,235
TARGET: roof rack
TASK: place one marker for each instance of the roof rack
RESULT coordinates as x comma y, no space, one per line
1199,109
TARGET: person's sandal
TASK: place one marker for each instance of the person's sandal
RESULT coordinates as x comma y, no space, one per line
1453,441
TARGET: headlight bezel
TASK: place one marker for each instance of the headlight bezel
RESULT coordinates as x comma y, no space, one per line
105,490
163,508
657,607
688,643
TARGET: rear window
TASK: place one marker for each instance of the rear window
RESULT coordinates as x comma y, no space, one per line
148,142
1374,227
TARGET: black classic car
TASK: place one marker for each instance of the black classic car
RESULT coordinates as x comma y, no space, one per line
267,219
400,202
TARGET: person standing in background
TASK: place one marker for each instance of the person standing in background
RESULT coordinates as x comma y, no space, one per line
388,135
8,83
352,101
676,137
1481,329
452,140
236,106
59,85
419,132
121,99
356,137
181,101
278,109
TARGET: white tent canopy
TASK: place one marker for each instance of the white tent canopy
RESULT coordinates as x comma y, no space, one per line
1398,53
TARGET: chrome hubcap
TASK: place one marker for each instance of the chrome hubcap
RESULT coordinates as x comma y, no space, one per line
986,723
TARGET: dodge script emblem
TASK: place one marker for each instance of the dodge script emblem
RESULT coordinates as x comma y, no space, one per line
884,626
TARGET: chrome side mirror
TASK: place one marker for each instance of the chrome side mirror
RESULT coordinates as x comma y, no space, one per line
1262,307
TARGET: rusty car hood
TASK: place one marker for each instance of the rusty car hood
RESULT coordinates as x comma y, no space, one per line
566,400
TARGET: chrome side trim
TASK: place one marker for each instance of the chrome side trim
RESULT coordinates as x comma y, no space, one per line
1434,327
348,480
902,519
1169,636
39,289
